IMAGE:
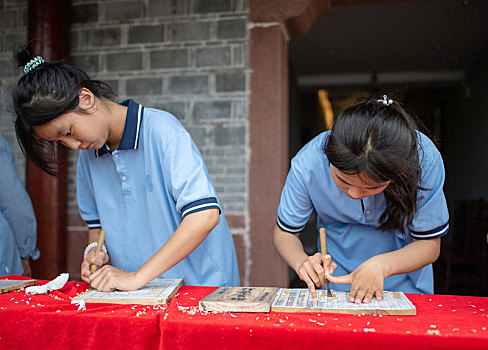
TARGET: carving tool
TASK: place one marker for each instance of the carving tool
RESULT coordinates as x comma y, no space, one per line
98,249
323,250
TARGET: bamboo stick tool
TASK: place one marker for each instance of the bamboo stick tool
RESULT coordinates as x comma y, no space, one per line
98,249
323,250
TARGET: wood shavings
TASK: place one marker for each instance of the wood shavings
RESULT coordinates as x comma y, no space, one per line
193,310
81,304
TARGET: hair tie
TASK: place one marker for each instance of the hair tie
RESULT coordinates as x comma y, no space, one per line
385,101
32,64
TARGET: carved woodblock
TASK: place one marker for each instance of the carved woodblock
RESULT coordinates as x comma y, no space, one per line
158,291
239,299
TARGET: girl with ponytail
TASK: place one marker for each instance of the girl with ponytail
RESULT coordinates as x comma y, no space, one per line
139,174
376,183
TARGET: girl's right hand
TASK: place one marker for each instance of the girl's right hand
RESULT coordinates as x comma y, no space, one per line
91,259
313,270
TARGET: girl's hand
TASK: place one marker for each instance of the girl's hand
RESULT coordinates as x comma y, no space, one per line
27,268
89,260
313,270
366,281
109,278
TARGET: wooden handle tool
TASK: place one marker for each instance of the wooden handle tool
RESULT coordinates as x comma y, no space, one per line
98,249
323,250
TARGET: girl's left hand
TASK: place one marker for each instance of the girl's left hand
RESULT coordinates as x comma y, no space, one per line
366,281
110,278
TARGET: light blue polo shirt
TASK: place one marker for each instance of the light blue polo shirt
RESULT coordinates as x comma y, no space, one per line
352,237
141,192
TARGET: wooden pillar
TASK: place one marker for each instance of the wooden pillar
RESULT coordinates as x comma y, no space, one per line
272,24
48,32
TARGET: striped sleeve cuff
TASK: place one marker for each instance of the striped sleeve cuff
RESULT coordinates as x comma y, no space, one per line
288,228
199,205
435,233
93,224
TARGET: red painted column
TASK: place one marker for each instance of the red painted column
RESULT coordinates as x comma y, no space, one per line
48,32
269,143
273,22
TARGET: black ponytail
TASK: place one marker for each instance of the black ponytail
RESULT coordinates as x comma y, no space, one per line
47,91
379,139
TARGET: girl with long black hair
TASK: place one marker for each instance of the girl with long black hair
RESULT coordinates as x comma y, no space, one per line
376,183
139,176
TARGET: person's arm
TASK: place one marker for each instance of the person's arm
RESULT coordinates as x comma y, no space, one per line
310,269
367,279
16,206
190,233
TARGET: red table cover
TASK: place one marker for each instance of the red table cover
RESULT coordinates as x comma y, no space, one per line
41,321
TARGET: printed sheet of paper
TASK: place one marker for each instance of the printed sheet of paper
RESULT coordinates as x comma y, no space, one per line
239,299
158,291
300,300
9,285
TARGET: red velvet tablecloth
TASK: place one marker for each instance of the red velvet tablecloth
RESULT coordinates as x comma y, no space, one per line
41,321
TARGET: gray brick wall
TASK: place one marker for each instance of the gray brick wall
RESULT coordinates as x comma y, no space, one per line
188,57
13,28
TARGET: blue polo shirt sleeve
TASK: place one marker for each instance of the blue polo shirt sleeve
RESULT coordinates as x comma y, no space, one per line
432,218
186,176
85,194
295,204
16,206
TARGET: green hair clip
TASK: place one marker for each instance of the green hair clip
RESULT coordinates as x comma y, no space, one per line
32,64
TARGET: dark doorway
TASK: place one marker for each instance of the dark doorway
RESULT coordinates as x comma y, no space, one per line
433,58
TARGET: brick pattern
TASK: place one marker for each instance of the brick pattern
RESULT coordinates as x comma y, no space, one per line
13,28
188,57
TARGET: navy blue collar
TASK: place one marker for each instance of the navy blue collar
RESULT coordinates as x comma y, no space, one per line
130,137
